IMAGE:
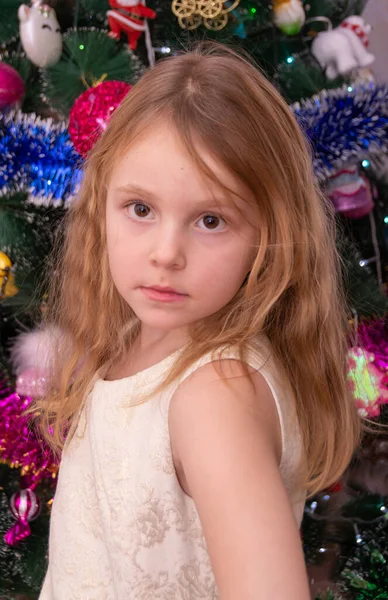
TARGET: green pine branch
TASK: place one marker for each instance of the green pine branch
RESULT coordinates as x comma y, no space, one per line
9,23
363,292
26,236
89,56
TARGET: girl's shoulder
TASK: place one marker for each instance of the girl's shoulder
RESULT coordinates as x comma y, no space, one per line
257,356
231,362
230,395
254,377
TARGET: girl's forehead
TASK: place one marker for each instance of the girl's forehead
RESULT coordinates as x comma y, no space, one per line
159,156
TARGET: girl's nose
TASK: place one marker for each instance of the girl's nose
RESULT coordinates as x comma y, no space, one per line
167,249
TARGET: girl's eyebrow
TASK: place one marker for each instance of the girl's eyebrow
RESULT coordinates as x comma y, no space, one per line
136,189
211,202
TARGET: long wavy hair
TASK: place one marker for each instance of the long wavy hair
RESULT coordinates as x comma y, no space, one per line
293,293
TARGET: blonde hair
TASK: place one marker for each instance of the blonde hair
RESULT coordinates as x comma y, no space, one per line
293,292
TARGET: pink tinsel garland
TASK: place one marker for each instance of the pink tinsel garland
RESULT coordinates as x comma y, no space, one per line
373,337
19,444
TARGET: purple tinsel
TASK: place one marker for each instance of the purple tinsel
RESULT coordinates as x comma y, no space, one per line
19,444
373,336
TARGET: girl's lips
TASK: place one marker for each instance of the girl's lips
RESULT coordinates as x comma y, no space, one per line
159,294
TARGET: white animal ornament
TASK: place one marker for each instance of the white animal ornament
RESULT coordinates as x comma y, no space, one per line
40,34
343,49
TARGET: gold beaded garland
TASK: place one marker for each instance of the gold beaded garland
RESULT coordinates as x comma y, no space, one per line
213,14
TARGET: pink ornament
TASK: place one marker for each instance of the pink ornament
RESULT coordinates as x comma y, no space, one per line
11,86
25,506
32,382
367,382
20,446
350,193
91,112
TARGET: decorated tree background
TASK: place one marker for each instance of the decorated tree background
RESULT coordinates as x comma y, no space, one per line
64,67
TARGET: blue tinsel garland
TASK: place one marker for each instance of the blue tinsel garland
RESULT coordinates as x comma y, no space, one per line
344,124
37,156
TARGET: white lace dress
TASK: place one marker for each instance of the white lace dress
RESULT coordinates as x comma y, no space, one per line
121,526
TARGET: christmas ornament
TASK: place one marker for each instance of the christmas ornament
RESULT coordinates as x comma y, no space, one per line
289,16
129,17
7,281
343,49
92,111
11,86
369,385
32,355
40,34
25,507
213,14
32,382
350,192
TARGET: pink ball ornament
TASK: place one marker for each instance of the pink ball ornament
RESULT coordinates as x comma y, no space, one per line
91,112
350,193
11,86
25,507
32,382
25,504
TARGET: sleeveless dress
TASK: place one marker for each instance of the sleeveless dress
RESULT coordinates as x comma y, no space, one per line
121,527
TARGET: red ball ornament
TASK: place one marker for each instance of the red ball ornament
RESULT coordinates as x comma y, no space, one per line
91,112
11,86
25,506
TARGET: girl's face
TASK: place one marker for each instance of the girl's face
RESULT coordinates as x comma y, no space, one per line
179,249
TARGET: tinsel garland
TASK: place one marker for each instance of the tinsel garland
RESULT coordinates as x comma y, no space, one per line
38,157
373,337
19,444
344,124
341,124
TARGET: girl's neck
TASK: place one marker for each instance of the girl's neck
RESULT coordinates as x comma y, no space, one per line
150,348
163,342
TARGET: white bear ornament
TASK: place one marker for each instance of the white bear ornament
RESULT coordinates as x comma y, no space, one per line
40,34
343,49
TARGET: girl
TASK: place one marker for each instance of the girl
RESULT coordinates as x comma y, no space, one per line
204,349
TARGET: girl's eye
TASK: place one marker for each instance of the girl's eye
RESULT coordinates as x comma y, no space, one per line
138,210
211,223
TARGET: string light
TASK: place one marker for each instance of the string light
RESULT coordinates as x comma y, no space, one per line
365,163
290,60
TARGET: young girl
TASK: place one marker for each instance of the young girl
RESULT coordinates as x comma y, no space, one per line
203,358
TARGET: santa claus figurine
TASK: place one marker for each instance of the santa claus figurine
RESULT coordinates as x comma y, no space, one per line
129,17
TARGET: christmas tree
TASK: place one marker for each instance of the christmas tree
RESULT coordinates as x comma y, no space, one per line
65,65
